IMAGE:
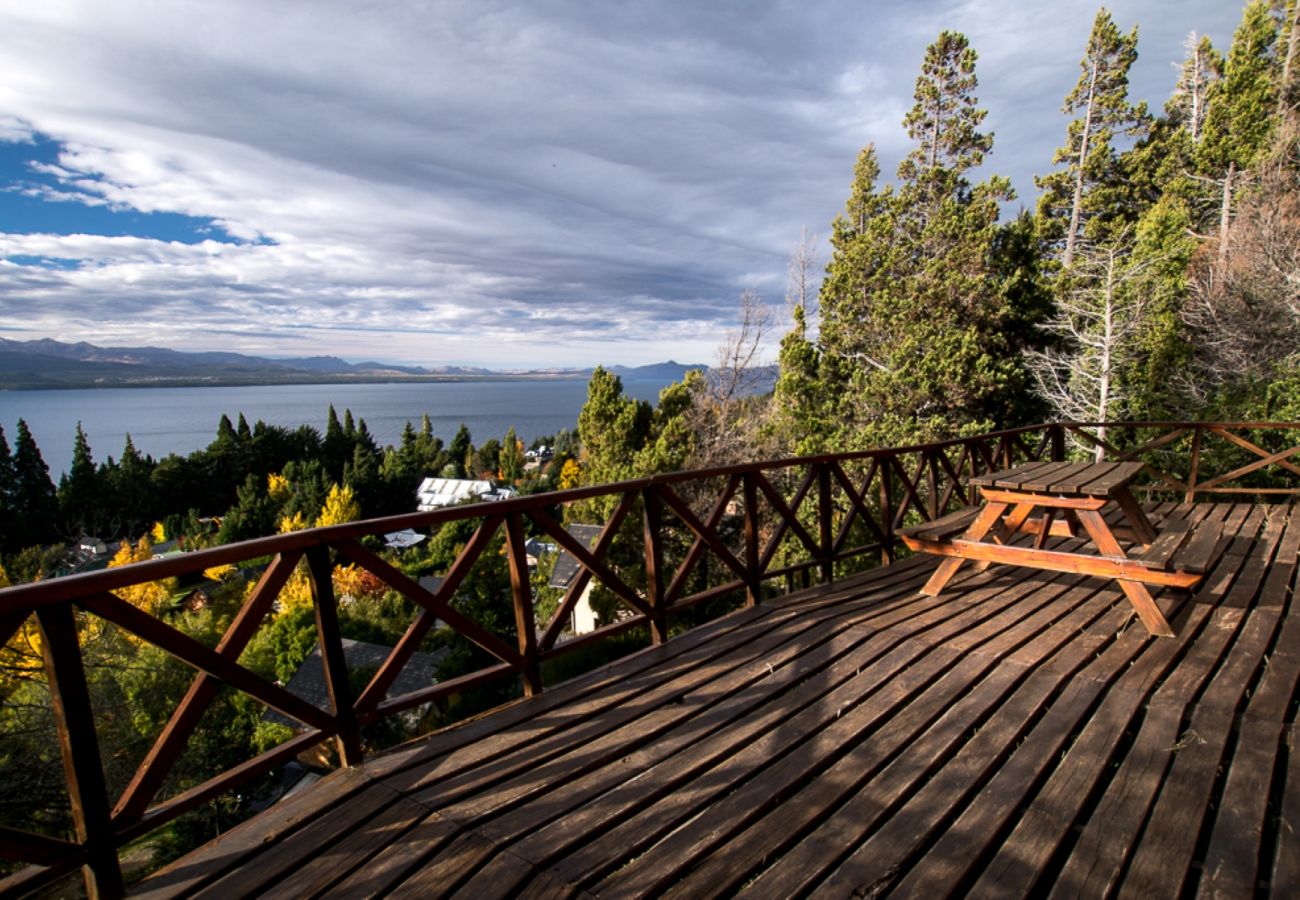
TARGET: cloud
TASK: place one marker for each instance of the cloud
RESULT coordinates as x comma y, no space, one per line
485,182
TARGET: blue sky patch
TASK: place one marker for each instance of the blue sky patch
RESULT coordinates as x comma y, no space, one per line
23,209
44,262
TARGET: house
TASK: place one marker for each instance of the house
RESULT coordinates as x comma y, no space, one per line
434,493
91,547
567,569
535,548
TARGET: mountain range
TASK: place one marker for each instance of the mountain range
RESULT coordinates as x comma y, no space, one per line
46,363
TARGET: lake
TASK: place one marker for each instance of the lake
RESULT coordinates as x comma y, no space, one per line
181,420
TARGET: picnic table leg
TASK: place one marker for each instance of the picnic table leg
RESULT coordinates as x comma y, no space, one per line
1044,529
1138,595
983,523
1142,526
1007,529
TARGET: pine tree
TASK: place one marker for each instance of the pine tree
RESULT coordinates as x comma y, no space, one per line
612,428
944,121
460,451
336,447
253,514
35,502
512,457
912,312
80,495
133,499
1239,121
1201,69
8,498
1077,194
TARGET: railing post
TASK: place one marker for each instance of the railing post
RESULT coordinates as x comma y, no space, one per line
752,587
825,515
932,483
654,563
887,510
79,746
1192,474
332,658
1058,441
522,594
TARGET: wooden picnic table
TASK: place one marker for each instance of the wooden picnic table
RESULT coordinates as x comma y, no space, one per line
1060,498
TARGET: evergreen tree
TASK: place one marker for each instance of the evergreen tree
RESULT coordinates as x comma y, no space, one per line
336,447
944,121
1201,69
512,458
253,514
8,496
462,446
132,490
1080,192
1239,120
1161,347
913,336
612,428
800,405
80,494
35,502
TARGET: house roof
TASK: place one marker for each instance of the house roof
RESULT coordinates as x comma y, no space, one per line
407,537
567,567
437,492
308,683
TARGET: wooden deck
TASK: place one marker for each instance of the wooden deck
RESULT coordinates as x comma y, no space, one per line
1020,734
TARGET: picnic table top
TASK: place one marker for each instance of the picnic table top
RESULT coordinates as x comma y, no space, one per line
1077,478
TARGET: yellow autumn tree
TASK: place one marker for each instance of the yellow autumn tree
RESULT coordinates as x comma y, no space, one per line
159,532
340,506
278,487
219,573
21,657
571,474
356,582
295,522
149,596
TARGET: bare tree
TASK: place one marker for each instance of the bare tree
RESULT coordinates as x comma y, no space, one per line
1095,323
801,291
727,412
1244,309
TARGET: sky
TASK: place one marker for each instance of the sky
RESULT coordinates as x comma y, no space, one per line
493,183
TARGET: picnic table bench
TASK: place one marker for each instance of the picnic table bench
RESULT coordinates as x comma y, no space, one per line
1067,499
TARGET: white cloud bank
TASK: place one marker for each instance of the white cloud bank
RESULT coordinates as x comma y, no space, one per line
499,183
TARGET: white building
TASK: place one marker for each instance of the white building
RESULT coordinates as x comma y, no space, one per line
434,493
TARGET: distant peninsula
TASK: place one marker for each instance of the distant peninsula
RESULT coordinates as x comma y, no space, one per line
49,364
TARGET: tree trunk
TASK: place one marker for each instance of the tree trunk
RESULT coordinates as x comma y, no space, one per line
1076,207
1284,88
1107,346
1225,217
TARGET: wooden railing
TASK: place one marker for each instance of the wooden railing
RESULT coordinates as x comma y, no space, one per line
733,534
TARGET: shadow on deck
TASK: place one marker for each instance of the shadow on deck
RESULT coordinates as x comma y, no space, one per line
1019,734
